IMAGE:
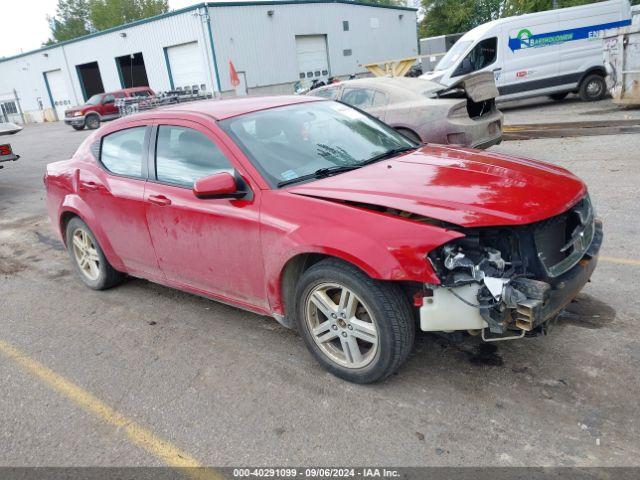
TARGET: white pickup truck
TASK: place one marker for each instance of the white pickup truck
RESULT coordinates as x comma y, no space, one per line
6,152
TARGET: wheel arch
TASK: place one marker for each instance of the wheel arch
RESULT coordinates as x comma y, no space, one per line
74,206
598,70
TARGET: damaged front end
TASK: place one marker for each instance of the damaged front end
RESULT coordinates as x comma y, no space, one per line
507,281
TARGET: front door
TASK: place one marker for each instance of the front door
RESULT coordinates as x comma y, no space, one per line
109,109
211,245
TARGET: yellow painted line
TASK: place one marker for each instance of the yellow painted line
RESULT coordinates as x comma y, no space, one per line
622,261
171,455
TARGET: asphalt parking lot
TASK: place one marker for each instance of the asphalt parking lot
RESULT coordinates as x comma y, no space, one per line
145,375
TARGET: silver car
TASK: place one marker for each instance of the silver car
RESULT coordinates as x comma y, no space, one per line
463,114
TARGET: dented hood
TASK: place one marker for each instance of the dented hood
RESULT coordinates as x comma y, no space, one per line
479,86
456,185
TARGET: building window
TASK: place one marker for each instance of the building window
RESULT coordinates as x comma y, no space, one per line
345,25
9,107
347,52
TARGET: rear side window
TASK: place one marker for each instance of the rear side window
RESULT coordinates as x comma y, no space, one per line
184,155
329,92
122,151
363,97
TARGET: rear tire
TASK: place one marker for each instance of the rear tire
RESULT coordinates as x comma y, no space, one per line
368,329
410,134
87,257
92,122
593,88
558,96
78,127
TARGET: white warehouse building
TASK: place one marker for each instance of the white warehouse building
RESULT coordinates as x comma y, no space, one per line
272,45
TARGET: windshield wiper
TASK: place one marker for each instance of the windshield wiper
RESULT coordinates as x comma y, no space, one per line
388,154
320,173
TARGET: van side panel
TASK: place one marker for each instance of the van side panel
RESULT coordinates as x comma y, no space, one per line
528,68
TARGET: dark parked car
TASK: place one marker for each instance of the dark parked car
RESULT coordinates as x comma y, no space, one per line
101,107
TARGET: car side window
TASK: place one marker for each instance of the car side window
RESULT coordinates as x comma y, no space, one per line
483,54
184,155
108,99
329,92
359,97
122,151
379,99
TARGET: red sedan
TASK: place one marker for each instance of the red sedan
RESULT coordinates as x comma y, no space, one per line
328,220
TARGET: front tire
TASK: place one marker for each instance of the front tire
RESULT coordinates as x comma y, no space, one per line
593,88
92,122
89,261
358,328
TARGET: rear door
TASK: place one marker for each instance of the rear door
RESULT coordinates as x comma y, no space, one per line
113,188
210,245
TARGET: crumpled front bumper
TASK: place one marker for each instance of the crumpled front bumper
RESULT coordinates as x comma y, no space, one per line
458,308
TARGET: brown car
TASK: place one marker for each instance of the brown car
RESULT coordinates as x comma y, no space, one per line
425,111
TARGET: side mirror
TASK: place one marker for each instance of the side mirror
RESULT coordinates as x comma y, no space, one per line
464,68
218,185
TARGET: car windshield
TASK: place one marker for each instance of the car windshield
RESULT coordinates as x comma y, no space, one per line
94,100
296,142
453,55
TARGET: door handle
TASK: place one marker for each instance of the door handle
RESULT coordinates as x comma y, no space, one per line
159,200
91,186
497,69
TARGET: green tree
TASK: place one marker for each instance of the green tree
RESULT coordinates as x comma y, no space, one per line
75,18
70,21
111,13
453,16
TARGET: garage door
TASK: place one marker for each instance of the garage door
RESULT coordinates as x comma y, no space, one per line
313,62
186,64
58,90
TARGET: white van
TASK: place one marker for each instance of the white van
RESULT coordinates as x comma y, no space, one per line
546,53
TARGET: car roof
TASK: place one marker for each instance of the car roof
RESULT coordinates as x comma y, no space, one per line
415,85
227,108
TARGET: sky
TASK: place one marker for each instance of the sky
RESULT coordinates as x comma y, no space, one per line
24,23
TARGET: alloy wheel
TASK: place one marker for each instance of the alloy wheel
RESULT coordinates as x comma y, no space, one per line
342,325
86,254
